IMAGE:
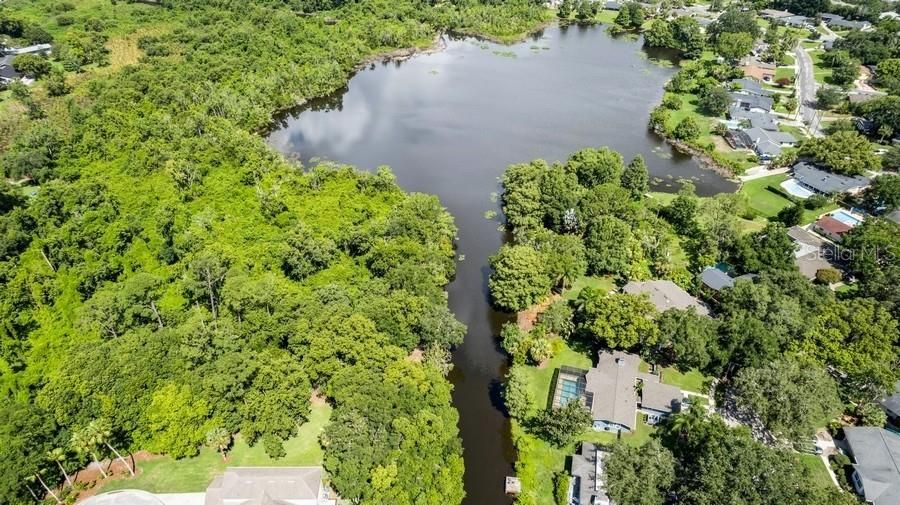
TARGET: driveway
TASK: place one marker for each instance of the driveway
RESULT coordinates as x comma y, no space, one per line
806,90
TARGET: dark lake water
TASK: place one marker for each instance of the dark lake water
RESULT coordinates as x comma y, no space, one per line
449,123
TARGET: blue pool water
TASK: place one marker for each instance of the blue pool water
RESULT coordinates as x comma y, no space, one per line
569,391
846,218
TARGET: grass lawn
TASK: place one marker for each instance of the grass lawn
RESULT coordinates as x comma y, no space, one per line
787,59
763,201
606,284
820,71
539,462
166,475
784,72
692,380
768,204
817,470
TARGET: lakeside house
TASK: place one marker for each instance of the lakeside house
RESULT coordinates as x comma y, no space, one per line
827,183
768,143
798,22
876,463
743,119
665,295
749,86
616,392
772,14
750,102
239,486
587,486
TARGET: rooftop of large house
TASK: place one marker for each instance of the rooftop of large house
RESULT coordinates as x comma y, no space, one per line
852,25
749,85
825,182
756,119
774,14
861,96
264,485
587,470
748,101
615,399
877,455
665,295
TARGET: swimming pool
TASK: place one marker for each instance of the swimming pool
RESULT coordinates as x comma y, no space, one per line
794,188
569,391
846,218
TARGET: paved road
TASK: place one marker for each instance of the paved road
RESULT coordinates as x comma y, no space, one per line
806,90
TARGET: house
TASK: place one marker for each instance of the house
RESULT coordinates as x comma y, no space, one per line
768,143
615,391
750,102
771,14
749,86
797,21
891,405
238,486
828,17
850,25
665,295
35,49
827,183
612,5
812,253
587,486
8,74
831,228
876,467
288,485
748,119
715,279
758,70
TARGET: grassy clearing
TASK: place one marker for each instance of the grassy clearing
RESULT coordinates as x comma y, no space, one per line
692,380
539,462
818,472
784,73
821,73
166,475
606,283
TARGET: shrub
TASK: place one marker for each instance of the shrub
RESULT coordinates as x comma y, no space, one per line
687,129
64,20
561,488
671,102
816,202
828,276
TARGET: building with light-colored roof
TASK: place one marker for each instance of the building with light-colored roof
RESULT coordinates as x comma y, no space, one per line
876,455
665,295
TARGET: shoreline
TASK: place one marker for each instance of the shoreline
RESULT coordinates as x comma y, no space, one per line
702,158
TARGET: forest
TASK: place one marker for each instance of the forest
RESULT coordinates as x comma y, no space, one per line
167,281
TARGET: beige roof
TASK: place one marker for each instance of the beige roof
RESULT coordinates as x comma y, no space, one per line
265,485
665,295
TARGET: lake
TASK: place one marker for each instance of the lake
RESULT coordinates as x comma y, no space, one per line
448,123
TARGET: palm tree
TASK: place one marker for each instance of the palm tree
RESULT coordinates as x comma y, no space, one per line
37,476
102,433
220,439
59,456
83,442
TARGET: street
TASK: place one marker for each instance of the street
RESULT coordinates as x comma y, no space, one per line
806,90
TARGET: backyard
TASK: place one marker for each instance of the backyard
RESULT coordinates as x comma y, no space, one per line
767,203
167,475
538,461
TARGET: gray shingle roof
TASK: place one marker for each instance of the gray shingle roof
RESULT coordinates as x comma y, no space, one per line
749,101
827,182
587,468
665,295
892,403
756,119
612,383
752,86
877,455
716,279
